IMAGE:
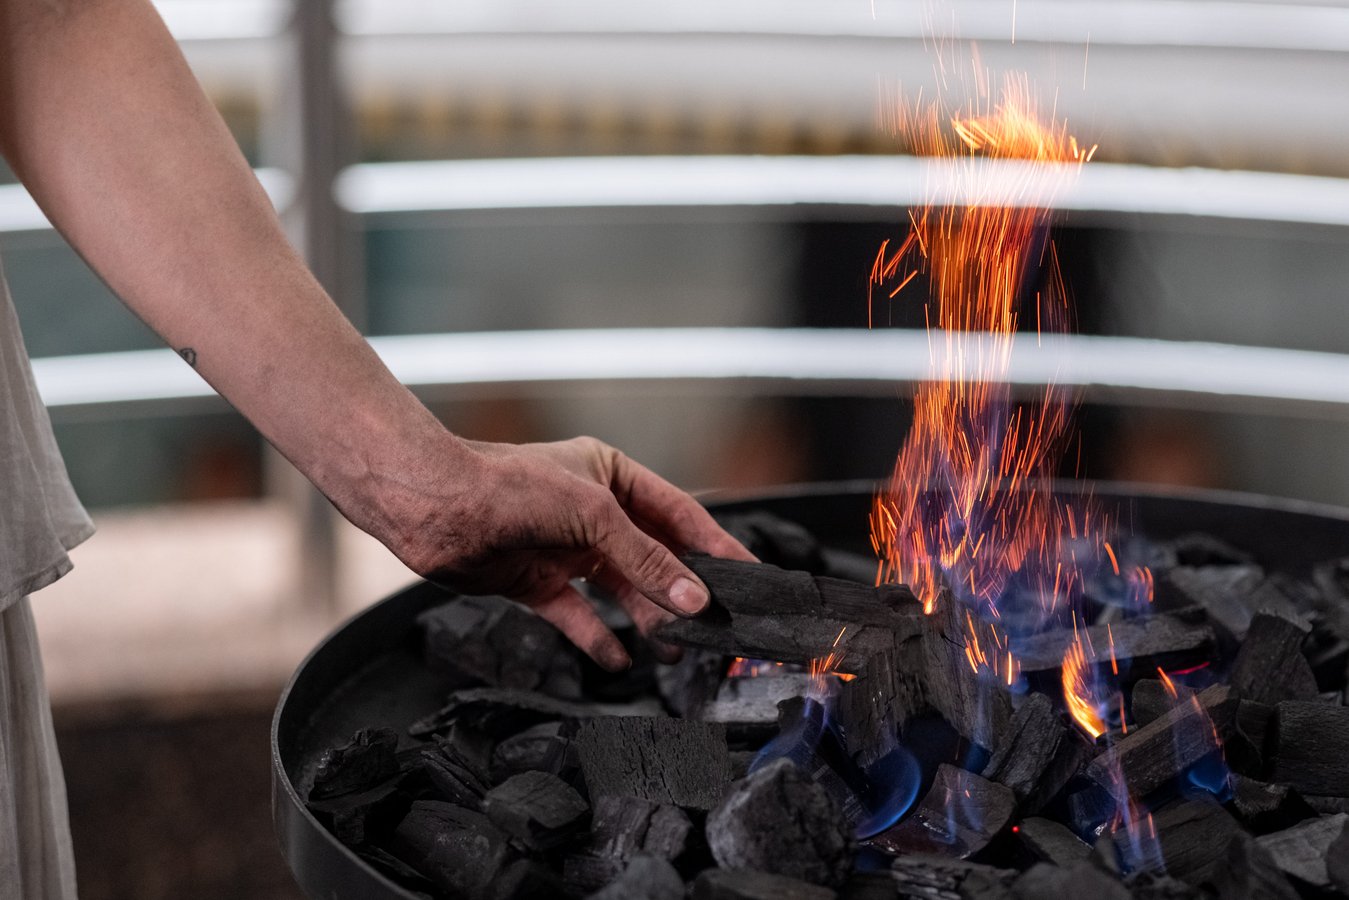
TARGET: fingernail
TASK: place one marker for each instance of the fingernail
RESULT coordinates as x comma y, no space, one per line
688,597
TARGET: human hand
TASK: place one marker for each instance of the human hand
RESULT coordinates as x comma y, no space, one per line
527,519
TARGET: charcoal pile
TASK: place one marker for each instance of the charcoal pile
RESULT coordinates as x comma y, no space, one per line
824,738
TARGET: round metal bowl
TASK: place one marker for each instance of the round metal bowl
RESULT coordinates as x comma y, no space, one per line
369,671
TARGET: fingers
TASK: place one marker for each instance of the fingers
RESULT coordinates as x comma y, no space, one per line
647,616
645,562
573,615
672,511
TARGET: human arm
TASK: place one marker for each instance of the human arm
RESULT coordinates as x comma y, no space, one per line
102,120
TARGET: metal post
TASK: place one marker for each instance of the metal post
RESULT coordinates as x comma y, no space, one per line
311,137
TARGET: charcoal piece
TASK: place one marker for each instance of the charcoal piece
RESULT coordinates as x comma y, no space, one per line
1310,744
1227,593
1327,806
501,712
960,814
747,884
370,757
1248,873
673,761
688,685
458,850
871,708
977,707
1270,667
778,820
1082,879
494,642
623,828
538,748
527,879
644,878
1337,862
1163,640
539,810
1193,836
361,817
1263,807
763,612
1152,699
1162,750
1089,807
1051,842
452,775
748,705
777,541
1199,549
938,877
1301,851
1149,885
1039,754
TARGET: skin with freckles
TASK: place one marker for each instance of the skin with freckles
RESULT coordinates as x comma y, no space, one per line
104,123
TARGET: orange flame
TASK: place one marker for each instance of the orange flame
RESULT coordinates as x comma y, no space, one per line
1077,692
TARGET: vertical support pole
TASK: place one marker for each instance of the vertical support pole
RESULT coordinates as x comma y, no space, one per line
311,137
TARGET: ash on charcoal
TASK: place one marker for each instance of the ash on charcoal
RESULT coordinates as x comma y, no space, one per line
502,712
663,760
1301,851
747,884
1163,749
763,612
778,820
1081,879
957,818
690,684
1165,641
1039,755
370,757
939,878
748,706
539,748
495,642
458,850
1051,842
622,829
1193,835
1310,744
1151,700
1227,593
1248,873
1263,807
644,878
1270,667
539,810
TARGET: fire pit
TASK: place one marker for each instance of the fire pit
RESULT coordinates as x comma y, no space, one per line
425,749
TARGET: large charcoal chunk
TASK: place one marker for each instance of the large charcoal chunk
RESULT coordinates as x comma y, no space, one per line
1151,699
1039,754
1082,879
495,642
1163,749
526,879
1051,842
871,707
501,712
458,850
949,879
1301,851
748,706
622,829
979,708
1265,807
1229,594
1248,873
644,878
452,775
1193,836
692,683
539,810
1161,640
1311,743
539,748
780,821
671,761
957,818
1148,885
747,884
370,757
1270,667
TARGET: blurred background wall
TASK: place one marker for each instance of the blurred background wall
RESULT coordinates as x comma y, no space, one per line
215,570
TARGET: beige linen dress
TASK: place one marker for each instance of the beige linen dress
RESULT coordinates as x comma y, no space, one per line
40,519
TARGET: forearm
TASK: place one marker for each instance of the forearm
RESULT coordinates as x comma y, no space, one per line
104,123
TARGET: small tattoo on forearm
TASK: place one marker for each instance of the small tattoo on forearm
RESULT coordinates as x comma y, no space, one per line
189,356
